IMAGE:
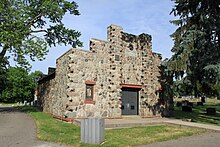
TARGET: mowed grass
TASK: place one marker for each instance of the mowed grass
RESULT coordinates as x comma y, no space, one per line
198,113
144,135
8,104
54,130
51,129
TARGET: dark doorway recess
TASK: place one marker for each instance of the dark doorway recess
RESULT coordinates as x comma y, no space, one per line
130,101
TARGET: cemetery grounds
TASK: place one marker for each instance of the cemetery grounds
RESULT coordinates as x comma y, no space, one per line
199,113
54,130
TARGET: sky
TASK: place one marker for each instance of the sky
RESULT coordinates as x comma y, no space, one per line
135,16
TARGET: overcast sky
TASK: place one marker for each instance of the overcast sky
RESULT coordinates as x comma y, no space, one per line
135,16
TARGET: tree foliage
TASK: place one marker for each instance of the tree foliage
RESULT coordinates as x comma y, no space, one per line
166,92
196,41
19,85
27,27
182,87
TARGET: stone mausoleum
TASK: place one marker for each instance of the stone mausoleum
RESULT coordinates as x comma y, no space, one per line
116,77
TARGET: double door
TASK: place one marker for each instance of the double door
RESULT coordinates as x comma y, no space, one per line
129,102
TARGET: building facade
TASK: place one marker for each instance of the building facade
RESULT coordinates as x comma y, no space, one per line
120,76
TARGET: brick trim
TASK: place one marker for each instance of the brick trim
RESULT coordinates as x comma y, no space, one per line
131,86
113,117
62,118
89,102
151,117
90,83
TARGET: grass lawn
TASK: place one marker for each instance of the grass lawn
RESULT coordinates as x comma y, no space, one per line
198,113
51,129
8,104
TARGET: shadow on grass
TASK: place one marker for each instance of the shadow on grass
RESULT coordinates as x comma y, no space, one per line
25,109
199,114
50,129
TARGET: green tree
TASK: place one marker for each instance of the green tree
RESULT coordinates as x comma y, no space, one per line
182,87
166,92
196,40
211,81
20,85
27,27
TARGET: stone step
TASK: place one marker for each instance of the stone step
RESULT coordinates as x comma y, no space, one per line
131,117
129,125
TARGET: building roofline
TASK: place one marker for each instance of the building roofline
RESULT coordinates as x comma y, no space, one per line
95,39
70,51
113,25
158,54
46,78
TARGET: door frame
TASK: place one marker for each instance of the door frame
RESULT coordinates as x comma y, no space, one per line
134,88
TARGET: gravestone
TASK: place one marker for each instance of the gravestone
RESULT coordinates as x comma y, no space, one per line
185,102
203,99
211,111
190,104
178,104
186,108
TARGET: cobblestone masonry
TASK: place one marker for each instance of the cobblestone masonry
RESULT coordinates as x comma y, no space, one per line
122,59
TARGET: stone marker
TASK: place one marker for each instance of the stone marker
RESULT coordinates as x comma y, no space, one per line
211,111
187,108
203,99
190,104
185,102
178,104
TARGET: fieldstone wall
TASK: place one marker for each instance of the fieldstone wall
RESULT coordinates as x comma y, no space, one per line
61,80
52,89
122,59
46,92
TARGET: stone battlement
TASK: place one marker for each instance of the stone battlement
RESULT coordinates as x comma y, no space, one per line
123,63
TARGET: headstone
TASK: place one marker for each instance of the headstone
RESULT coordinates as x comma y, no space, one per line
185,102
178,104
187,108
211,111
203,99
190,104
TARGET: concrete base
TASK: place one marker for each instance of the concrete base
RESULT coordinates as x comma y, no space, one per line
138,121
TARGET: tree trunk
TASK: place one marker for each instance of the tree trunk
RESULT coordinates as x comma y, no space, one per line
195,91
218,39
2,54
